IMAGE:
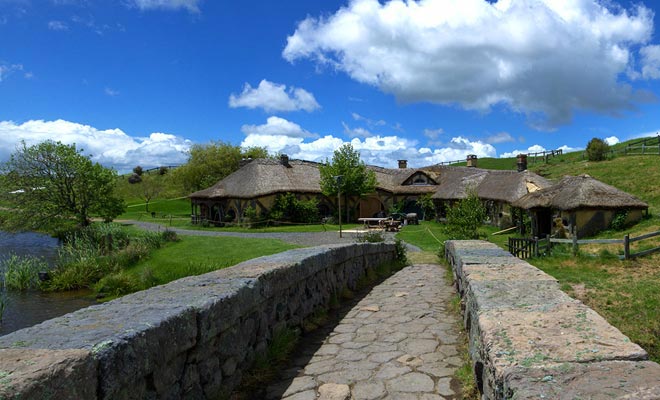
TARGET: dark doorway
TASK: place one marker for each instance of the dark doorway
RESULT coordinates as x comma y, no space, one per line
544,222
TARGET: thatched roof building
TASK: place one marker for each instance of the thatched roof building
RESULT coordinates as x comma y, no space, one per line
263,177
579,205
506,186
578,192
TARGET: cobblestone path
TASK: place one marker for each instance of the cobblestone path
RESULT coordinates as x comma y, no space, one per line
398,342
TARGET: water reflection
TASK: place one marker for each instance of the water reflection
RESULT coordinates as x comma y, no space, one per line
25,309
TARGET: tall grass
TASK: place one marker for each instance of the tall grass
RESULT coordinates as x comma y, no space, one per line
22,272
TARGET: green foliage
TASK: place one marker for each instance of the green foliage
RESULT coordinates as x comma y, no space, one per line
117,284
356,179
287,207
138,170
597,150
209,163
464,218
401,251
619,221
427,205
372,237
21,272
58,184
148,189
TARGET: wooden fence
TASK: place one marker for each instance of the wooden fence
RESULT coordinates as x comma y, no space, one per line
535,247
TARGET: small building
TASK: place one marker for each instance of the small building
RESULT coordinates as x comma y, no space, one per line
497,189
579,205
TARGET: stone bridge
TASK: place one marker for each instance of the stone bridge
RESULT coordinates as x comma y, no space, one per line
195,337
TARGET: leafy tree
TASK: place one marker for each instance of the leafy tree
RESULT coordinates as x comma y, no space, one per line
597,149
356,179
288,208
209,163
465,217
425,202
53,183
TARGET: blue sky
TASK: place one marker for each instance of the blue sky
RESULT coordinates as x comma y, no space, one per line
139,81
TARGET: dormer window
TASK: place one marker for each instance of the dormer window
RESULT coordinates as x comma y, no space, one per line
419,179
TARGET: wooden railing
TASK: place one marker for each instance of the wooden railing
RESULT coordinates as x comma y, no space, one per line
534,247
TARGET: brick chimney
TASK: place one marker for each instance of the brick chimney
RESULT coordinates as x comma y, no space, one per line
284,160
522,162
403,164
472,160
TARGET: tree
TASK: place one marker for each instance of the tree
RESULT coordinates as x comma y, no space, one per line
209,163
138,170
465,217
425,202
597,149
53,183
356,179
149,189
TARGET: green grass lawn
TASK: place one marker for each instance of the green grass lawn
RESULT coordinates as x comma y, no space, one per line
194,255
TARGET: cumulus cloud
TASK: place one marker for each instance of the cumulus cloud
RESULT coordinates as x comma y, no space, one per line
109,147
650,62
356,132
276,126
191,5
546,59
537,148
273,97
612,140
433,134
375,150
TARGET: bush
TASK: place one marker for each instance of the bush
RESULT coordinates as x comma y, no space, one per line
372,237
288,208
162,171
22,273
135,178
116,285
401,251
619,221
597,149
465,218
138,171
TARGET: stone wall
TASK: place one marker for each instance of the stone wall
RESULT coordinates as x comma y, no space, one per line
529,340
192,338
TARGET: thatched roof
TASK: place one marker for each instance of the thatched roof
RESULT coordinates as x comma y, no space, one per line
575,192
262,177
498,185
392,180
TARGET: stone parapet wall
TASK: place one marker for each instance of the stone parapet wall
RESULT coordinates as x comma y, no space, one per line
529,340
192,338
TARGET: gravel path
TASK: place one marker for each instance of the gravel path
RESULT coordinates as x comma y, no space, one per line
298,238
398,342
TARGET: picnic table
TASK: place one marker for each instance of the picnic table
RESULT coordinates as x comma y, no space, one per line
373,222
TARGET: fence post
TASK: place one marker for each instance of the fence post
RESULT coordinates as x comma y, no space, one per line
536,246
575,243
626,247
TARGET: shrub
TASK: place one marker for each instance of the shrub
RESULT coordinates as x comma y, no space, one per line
465,217
162,171
116,284
372,237
22,272
619,221
288,208
138,171
135,178
597,149
170,236
401,251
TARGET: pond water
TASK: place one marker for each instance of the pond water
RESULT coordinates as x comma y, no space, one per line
25,309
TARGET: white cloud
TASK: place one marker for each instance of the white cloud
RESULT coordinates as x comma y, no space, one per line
433,134
111,92
501,137
374,150
277,126
8,69
650,62
274,97
544,58
612,140
57,26
110,147
191,5
537,148
368,121
356,132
